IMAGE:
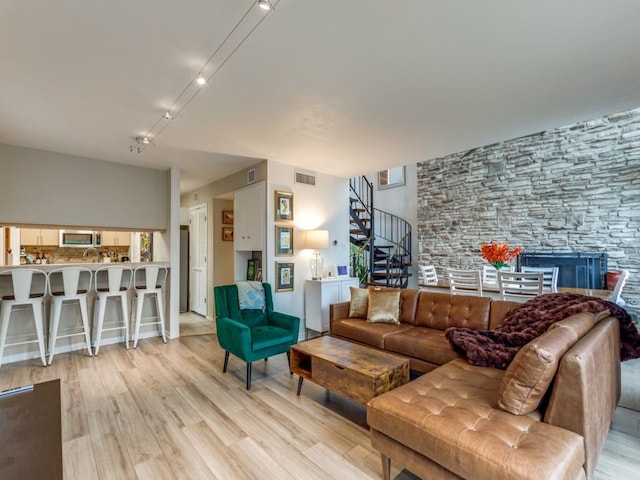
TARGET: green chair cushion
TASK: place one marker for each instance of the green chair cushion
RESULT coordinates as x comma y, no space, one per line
266,336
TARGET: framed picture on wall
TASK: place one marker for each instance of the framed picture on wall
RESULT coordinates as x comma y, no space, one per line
284,276
284,240
283,206
227,217
227,234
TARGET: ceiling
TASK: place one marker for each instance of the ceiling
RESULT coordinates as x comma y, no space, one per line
336,86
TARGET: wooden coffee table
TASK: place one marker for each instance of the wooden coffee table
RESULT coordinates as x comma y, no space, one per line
354,371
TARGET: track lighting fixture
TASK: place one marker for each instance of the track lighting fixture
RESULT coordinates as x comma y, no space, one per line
210,67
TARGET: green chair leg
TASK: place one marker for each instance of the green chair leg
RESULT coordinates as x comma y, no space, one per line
226,361
248,375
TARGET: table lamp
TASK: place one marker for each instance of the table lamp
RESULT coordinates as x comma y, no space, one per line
316,240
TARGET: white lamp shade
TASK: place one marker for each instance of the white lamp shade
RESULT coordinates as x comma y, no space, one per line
316,239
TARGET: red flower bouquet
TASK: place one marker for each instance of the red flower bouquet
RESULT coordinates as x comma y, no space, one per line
498,254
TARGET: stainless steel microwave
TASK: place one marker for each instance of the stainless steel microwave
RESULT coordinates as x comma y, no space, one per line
79,238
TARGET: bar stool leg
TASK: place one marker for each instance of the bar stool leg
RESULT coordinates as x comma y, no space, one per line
125,317
5,315
56,308
160,307
85,323
98,320
139,304
38,315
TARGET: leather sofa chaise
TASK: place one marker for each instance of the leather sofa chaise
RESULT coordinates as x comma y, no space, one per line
545,416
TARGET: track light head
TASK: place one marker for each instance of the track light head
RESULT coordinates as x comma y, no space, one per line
200,80
264,4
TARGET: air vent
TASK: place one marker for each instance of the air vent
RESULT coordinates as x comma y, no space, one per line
306,178
251,176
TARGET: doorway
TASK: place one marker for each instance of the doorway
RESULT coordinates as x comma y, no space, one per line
198,259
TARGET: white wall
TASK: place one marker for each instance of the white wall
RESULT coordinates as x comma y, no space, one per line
323,206
38,187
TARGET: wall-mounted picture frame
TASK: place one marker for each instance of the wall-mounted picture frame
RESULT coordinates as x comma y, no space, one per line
284,241
283,206
391,177
227,217
227,234
284,276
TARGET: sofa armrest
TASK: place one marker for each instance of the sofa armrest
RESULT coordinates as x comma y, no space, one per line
338,311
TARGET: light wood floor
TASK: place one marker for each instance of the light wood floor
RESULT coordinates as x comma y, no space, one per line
167,411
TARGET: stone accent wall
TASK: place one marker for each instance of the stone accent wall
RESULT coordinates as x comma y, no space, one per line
570,189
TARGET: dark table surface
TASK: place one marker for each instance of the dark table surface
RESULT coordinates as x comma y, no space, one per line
31,433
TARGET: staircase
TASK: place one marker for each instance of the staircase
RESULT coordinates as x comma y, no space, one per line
380,241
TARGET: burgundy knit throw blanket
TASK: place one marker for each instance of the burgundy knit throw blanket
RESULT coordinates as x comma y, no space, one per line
496,348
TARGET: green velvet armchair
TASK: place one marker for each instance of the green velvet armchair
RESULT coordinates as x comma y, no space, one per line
252,334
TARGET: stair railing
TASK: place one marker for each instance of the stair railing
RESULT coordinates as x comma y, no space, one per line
384,230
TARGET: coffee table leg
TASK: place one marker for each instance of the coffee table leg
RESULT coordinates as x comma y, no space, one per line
300,385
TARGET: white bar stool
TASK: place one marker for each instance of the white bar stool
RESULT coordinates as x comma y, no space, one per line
149,280
27,288
68,284
111,282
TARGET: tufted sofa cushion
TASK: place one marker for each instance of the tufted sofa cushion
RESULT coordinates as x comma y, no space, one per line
441,311
450,416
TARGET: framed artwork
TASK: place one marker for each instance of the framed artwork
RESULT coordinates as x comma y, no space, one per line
283,206
227,217
284,240
284,276
391,177
227,234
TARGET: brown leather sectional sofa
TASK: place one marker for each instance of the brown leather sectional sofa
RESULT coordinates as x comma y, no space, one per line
458,421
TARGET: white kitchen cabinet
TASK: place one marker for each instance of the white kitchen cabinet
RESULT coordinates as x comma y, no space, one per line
39,236
249,218
110,238
319,294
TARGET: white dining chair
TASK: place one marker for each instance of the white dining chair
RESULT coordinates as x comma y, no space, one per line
615,295
429,275
549,277
490,274
465,282
519,286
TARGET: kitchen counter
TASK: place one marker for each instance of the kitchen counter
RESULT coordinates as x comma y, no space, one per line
47,267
